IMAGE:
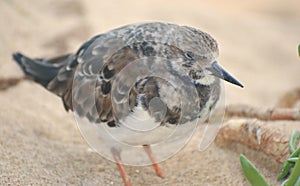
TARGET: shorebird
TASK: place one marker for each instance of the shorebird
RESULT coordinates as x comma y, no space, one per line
166,72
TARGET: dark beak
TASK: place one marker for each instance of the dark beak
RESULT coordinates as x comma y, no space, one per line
219,72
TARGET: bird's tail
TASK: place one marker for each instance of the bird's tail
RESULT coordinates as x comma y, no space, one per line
53,74
41,71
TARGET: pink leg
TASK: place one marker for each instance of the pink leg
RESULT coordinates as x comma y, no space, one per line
122,170
157,168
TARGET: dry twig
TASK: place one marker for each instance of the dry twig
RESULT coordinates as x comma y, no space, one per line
257,135
263,114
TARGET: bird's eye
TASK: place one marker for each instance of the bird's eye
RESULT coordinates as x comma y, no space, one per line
189,55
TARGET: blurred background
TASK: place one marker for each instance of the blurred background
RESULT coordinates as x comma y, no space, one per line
258,45
257,39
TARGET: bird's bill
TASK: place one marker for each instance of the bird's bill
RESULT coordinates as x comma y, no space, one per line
219,72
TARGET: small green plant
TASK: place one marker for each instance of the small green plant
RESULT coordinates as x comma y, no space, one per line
299,50
292,161
291,165
251,173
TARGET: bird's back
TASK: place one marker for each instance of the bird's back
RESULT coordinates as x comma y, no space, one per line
95,82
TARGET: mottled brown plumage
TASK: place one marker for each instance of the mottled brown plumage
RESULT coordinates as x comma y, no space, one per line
165,70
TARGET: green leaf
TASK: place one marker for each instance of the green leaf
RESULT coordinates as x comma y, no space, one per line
285,169
288,165
299,50
251,173
293,180
292,160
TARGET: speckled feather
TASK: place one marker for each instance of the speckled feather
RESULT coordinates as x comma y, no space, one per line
181,51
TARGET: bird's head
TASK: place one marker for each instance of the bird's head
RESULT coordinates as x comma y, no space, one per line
207,71
200,58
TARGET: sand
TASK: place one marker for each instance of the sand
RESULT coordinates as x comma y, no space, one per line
40,143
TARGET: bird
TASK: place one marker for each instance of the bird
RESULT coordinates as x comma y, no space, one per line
138,76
